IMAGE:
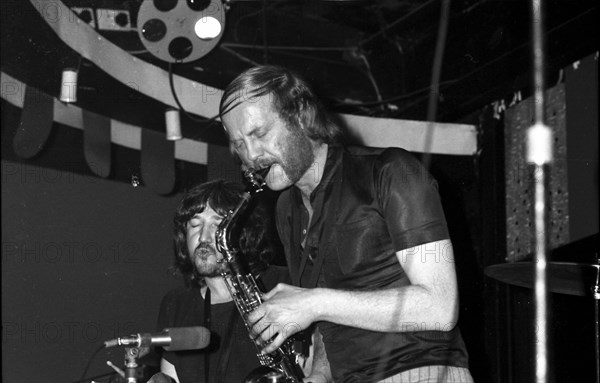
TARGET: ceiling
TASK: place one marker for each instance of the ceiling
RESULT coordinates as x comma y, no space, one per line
364,57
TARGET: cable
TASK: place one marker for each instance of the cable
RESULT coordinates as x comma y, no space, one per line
315,58
190,116
397,21
460,78
239,20
434,89
264,33
395,98
369,74
290,48
241,57
87,367
436,71
494,61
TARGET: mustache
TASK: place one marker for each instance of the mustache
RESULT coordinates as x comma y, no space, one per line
205,247
261,165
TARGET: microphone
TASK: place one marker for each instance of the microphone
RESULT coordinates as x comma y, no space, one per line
171,339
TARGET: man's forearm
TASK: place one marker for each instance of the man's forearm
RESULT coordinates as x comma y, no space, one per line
430,302
408,308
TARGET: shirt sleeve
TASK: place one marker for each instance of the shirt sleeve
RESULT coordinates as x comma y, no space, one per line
409,200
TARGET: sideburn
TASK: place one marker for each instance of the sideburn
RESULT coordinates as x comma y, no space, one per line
299,153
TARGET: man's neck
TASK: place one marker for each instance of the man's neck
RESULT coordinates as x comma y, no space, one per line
219,293
313,175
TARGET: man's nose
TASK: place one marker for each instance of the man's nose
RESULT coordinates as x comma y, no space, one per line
208,234
254,150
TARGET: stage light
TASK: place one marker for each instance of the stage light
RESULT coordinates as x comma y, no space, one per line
68,86
173,124
207,28
180,31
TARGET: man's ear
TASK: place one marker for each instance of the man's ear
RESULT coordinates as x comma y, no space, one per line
300,122
301,115
304,117
306,120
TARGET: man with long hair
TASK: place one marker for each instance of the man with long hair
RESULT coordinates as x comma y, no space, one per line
205,299
365,239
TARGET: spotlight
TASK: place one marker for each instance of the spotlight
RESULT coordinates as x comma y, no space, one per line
68,86
207,28
180,31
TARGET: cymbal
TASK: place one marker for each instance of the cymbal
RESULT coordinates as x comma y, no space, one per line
562,277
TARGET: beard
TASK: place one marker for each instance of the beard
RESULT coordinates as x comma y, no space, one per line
297,157
205,260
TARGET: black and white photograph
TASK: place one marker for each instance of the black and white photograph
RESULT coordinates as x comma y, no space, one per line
300,191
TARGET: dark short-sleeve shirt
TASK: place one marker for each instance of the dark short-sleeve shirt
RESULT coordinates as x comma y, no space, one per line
184,307
369,204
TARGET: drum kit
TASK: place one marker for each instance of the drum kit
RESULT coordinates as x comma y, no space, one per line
571,278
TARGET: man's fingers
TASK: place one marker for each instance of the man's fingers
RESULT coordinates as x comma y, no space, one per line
259,332
279,287
255,316
269,295
274,336
274,345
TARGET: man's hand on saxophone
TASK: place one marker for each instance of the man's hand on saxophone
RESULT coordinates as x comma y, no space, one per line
286,310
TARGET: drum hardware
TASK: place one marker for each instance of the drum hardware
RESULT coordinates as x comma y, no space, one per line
581,279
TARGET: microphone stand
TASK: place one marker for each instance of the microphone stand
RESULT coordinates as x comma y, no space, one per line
539,153
131,365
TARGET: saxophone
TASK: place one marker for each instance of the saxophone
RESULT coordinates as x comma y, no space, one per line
280,366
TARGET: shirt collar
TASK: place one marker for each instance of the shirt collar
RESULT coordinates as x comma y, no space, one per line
332,162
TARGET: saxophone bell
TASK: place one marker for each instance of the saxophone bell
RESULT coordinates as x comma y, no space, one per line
266,374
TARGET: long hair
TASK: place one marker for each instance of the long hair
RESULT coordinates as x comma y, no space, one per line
291,96
255,239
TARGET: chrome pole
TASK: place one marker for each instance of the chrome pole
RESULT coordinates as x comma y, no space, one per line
539,153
